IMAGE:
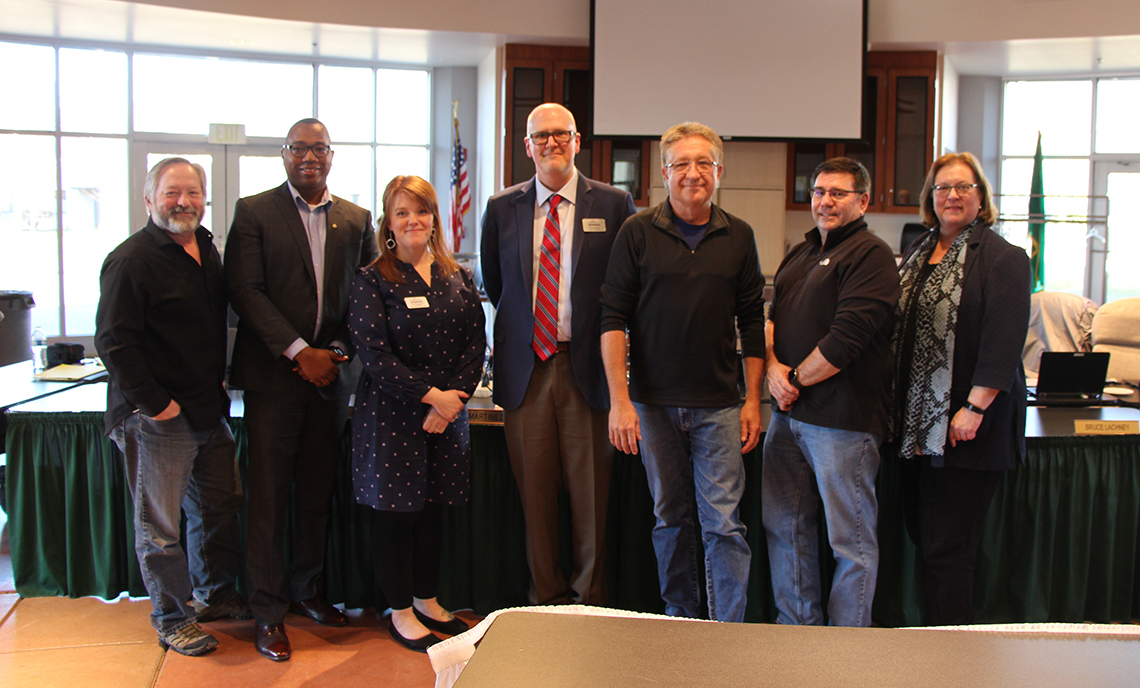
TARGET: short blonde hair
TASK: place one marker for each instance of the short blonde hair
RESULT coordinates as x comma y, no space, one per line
684,131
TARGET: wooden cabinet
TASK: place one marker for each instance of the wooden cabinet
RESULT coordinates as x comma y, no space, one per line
898,137
627,164
537,74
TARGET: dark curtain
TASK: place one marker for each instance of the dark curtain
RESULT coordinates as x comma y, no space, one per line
1061,540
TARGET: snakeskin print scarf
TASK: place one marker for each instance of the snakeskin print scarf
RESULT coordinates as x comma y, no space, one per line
923,424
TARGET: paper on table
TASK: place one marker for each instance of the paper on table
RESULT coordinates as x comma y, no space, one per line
66,372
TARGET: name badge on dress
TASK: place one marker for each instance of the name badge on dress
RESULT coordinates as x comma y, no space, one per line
593,224
416,301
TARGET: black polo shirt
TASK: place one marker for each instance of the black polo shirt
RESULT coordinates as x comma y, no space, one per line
840,298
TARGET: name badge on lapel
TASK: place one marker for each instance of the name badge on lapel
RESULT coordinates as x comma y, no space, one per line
415,302
593,224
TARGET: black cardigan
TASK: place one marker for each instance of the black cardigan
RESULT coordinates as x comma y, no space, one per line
993,317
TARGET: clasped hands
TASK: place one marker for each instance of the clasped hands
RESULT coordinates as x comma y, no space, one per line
446,406
318,366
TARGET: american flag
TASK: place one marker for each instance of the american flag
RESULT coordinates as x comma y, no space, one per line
460,189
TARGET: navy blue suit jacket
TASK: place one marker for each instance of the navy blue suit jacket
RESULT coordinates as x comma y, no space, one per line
507,254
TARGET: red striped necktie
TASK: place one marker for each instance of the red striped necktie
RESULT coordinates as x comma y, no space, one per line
546,302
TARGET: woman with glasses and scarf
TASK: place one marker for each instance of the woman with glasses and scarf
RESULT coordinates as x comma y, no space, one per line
958,411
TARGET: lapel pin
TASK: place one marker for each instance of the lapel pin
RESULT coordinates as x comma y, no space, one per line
825,261
334,225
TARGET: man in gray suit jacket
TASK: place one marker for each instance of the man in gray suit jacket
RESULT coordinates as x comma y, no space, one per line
290,259
543,269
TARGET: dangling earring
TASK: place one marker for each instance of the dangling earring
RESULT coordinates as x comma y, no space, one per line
432,235
390,243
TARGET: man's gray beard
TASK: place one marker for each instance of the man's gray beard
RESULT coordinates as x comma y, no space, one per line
175,226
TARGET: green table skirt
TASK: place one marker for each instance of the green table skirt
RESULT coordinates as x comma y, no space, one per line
1062,541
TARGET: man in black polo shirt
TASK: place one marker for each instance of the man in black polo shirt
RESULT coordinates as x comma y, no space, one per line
161,332
828,342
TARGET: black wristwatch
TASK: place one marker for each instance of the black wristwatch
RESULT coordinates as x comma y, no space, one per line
974,407
794,379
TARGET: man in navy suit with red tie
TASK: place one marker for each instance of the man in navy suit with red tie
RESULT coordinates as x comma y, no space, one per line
545,247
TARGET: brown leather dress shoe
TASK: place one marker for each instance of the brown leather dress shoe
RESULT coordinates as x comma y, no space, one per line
271,642
320,611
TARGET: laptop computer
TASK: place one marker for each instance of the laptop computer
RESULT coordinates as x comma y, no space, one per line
1072,378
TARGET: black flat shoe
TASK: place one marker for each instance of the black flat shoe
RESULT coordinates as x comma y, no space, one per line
453,627
416,645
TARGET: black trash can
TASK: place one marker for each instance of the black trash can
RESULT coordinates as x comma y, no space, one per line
16,327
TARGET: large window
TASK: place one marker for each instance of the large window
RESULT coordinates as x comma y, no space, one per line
83,117
183,95
1089,139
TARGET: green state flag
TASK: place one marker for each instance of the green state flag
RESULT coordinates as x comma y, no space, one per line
1036,221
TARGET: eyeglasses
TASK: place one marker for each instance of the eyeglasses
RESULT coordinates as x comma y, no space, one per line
836,194
298,150
683,166
943,190
560,137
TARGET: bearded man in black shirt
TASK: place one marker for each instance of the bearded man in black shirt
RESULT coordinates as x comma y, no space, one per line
161,332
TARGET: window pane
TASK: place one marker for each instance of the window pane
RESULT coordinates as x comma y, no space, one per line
403,102
1060,110
87,77
266,97
395,160
1066,249
345,102
34,82
257,173
351,175
95,220
1117,102
28,224
1124,235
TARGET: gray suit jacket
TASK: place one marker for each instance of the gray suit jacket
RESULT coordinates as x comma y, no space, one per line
507,255
273,289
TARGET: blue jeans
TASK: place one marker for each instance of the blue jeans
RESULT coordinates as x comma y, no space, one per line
695,452
804,464
171,467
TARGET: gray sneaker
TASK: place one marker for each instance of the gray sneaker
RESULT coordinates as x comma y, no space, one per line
189,640
234,608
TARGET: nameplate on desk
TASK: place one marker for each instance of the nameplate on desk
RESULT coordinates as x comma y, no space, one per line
1086,426
485,416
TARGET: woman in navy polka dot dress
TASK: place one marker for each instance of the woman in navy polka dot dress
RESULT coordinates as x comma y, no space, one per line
418,327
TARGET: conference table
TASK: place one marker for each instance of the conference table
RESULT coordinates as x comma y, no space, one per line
1062,540
18,385
590,648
